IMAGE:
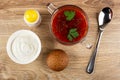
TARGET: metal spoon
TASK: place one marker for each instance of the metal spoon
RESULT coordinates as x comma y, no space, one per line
104,18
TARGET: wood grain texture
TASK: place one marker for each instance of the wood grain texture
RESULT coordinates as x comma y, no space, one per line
107,65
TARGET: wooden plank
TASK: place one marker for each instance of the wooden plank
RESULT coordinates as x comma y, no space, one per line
107,65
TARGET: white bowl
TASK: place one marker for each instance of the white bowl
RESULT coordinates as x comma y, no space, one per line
23,46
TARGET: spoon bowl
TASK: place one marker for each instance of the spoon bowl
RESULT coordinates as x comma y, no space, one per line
104,17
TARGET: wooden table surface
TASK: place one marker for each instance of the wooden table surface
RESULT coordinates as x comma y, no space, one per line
107,65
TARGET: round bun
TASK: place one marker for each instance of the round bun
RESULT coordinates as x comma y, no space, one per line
57,60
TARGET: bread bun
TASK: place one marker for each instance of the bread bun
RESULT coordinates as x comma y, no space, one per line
57,60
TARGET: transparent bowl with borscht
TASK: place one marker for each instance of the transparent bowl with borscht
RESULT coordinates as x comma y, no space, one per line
69,23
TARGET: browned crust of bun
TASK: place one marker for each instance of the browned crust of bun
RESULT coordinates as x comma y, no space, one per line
57,60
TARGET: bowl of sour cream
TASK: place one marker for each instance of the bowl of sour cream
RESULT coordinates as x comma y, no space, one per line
23,46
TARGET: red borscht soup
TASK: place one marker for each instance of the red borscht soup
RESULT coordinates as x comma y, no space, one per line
69,24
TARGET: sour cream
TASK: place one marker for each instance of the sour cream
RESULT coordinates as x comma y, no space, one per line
23,46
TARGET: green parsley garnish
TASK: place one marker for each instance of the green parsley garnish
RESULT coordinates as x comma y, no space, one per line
72,34
69,15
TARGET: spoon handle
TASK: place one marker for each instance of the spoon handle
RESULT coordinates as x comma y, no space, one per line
90,66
